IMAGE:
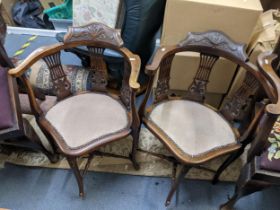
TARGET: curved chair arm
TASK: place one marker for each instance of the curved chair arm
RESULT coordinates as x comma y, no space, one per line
48,50
24,66
135,70
135,64
151,70
33,58
160,54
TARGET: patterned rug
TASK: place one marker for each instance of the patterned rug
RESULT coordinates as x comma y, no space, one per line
150,165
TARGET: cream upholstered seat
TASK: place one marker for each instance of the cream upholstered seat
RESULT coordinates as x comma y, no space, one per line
194,128
87,117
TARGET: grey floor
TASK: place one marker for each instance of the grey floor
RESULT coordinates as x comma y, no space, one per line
24,188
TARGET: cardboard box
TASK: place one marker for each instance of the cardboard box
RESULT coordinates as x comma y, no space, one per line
184,68
236,18
264,38
214,99
6,11
46,4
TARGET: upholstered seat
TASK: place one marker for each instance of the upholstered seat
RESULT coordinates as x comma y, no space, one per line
192,127
88,117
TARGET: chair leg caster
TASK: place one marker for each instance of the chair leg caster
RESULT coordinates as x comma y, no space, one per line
167,203
215,180
54,158
82,195
135,164
226,206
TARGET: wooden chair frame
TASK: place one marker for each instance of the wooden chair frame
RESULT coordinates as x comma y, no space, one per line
96,37
211,45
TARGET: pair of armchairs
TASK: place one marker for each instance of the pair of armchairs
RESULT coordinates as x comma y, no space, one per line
78,124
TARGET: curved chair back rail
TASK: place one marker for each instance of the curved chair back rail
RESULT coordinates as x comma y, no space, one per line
212,45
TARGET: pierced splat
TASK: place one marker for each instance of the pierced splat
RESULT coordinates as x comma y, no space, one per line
162,88
99,68
236,106
61,85
125,89
197,89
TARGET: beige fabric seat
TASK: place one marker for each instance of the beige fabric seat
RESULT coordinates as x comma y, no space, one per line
194,128
88,117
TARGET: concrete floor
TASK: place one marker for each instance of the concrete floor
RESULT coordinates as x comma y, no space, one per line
24,188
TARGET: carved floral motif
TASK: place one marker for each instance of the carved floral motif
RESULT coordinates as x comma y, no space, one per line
126,91
61,85
236,106
161,91
94,32
197,90
217,40
98,67
126,95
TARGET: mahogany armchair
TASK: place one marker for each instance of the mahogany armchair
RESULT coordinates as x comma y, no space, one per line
81,123
193,131
262,168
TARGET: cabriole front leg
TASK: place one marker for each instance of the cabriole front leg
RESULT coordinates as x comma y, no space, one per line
74,166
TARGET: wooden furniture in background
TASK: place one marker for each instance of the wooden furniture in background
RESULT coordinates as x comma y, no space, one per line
79,124
262,170
193,131
234,156
270,4
14,130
